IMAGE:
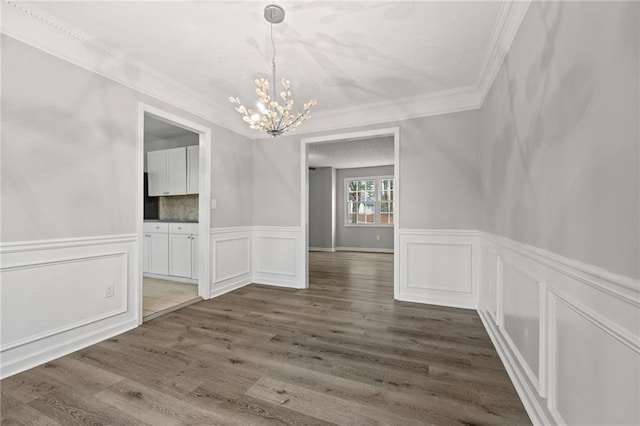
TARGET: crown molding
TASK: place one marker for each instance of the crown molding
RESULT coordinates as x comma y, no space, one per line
36,28
32,26
430,104
510,17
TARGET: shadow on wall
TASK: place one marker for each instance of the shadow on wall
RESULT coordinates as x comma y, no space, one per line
69,160
546,113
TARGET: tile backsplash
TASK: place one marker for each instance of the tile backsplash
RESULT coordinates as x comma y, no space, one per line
180,207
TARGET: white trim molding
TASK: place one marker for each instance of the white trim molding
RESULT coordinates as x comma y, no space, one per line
304,191
231,254
27,23
364,249
510,18
278,256
438,267
570,316
30,25
204,184
56,297
327,249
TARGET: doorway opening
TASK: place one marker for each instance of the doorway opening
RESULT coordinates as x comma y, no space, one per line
350,196
173,219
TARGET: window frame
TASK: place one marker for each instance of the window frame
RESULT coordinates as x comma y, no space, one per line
377,203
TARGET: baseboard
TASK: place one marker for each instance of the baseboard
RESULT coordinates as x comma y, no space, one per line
277,283
527,395
170,278
332,250
171,309
439,301
367,250
234,285
51,353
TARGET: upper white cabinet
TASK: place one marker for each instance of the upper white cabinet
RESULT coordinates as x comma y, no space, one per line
167,172
193,167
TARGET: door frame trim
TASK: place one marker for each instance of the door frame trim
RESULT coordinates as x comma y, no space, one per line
204,194
304,191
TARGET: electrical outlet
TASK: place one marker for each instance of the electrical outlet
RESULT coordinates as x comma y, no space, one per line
378,237
108,290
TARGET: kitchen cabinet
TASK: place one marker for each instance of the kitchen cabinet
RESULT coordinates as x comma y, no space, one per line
171,249
155,249
193,167
194,257
167,171
180,253
182,249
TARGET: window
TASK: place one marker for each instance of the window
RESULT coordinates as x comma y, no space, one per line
369,201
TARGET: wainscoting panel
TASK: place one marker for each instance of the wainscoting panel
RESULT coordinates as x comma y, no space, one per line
231,259
439,267
61,295
277,256
490,268
570,333
589,357
520,319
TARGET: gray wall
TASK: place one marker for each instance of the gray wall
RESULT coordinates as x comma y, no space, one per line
360,236
321,207
69,152
440,181
559,135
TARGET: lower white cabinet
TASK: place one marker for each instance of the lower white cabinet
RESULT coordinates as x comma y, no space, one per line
180,254
170,249
194,257
155,248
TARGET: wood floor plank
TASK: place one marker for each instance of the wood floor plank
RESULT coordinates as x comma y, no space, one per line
341,352
16,412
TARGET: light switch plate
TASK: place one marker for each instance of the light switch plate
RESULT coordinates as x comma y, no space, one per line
214,203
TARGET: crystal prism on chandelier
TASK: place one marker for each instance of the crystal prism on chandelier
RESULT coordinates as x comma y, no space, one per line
273,117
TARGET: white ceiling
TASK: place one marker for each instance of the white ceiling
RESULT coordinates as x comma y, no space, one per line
345,54
352,154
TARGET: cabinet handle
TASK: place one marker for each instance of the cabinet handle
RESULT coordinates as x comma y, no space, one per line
165,192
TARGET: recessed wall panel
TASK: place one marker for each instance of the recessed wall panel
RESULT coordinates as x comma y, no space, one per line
597,377
521,315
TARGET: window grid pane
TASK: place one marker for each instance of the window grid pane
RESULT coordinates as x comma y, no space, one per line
370,201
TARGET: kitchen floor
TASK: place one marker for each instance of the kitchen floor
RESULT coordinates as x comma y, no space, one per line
163,296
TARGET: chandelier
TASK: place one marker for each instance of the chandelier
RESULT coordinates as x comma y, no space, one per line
272,117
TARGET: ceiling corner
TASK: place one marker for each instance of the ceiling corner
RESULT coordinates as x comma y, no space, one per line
511,15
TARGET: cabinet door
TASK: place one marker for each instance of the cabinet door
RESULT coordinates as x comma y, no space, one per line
146,240
180,255
157,169
193,166
158,253
194,257
176,171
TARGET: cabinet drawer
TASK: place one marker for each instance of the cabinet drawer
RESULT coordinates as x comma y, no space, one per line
183,228
160,227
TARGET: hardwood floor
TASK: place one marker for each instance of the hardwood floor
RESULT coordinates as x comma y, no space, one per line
341,352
